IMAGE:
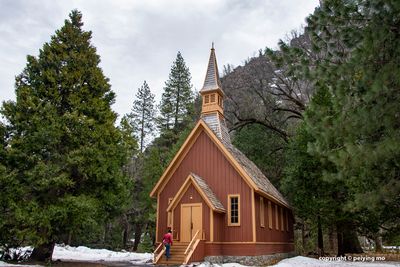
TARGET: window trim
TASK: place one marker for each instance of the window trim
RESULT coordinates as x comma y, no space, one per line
270,215
287,220
212,98
282,222
276,217
262,212
230,196
169,214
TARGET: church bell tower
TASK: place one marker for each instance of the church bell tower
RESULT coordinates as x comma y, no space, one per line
212,109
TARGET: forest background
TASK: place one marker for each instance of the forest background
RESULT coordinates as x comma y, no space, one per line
319,116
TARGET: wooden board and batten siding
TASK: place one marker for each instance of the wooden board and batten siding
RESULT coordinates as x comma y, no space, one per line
206,160
212,188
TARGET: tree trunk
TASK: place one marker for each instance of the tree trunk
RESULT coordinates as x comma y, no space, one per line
107,231
320,238
142,129
303,237
177,110
331,234
69,238
138,235
378,243
340,251
125,234
43,252
347,239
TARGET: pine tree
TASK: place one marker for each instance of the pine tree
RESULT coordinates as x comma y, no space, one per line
143,114
360,40
64,148
176,106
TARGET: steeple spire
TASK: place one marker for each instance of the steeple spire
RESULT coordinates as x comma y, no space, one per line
212,82
212,111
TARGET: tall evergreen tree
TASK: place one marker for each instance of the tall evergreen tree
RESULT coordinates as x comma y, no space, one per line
362,73
176,106
64,148
143,113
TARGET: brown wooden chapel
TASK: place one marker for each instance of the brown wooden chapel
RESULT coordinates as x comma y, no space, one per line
213,198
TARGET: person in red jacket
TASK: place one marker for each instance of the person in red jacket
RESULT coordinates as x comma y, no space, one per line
167,241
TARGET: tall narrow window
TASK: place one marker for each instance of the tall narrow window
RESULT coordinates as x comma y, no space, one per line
233,210
169,214
262,215
287,220
269,215
276,217
282,223
206,99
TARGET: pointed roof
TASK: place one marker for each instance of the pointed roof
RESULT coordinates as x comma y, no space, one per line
246,168
212,82
215,127
216,203
202,187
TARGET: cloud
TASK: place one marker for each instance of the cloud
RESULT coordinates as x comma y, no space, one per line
138,40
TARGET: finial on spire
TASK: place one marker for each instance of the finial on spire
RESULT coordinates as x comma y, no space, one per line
212,45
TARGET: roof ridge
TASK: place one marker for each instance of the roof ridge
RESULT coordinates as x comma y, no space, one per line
208,191
252,169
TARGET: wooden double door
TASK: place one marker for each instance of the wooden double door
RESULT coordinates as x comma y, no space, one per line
191,220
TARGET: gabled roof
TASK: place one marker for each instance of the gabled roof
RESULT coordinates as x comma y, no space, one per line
212,82
256,174
245,167
217,124
205,191
214,125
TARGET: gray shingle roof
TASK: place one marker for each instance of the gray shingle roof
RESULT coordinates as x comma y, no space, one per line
255,174
217,125
209,193
212,82
250,168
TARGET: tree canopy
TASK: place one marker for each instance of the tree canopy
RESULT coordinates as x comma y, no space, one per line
63,148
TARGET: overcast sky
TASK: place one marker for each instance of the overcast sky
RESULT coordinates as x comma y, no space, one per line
138,39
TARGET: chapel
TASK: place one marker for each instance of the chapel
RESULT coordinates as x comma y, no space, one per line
216,201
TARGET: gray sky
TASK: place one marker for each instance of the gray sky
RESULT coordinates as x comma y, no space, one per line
138,39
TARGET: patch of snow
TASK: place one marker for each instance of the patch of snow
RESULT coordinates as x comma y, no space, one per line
2,263
81,253
68,253
300,261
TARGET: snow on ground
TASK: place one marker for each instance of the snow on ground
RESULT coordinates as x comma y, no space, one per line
300,261
68,253
2,263
81,253
310,262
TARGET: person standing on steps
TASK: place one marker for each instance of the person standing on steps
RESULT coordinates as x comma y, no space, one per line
167,241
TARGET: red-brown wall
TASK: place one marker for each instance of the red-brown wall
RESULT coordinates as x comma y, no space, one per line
192,196
246,249
266,234
206,160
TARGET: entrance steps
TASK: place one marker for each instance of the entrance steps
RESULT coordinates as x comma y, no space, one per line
177,254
